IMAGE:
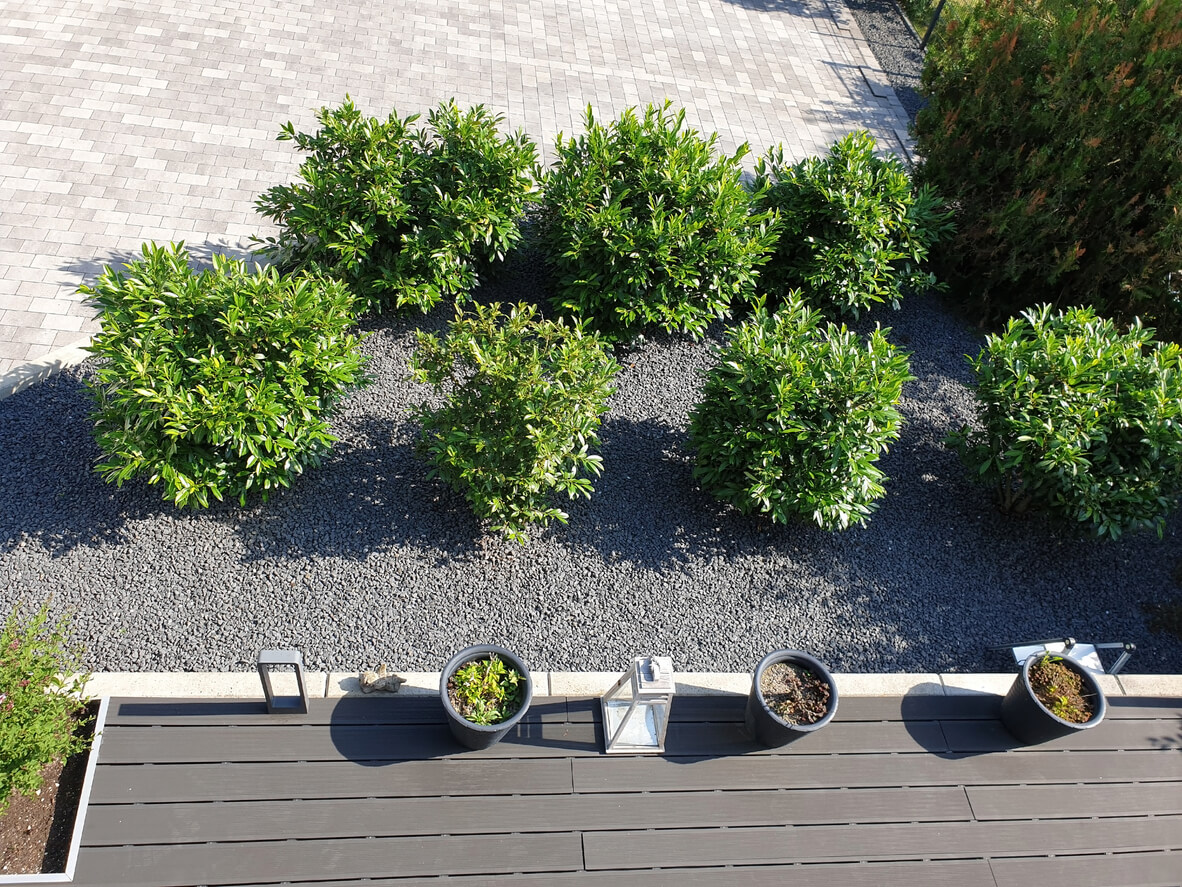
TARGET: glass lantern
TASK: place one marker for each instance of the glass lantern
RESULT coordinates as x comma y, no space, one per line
636,708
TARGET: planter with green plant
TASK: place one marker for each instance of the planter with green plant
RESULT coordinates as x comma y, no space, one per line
47,729
1052,697
486,691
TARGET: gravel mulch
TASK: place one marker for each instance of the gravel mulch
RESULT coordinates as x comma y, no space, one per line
366,561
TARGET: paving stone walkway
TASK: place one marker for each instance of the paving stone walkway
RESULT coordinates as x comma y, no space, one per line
123,121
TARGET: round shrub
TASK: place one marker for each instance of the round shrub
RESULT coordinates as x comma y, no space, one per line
793,417
523,401
406,216
219,382
644,225
853,232
1080,419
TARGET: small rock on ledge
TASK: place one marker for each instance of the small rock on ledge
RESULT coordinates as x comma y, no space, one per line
381,680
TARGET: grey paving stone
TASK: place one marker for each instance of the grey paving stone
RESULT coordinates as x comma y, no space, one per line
149,119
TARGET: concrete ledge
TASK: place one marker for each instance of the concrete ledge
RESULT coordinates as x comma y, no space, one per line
21,377
189,684
245,685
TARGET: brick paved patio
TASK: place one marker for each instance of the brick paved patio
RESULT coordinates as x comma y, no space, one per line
125,120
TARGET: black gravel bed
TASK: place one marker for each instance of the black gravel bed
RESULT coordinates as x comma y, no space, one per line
896,46
365,560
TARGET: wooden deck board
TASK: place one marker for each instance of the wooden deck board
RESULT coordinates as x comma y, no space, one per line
918,791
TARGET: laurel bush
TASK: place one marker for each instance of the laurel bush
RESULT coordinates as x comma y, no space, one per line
793,417
220,382
1079,418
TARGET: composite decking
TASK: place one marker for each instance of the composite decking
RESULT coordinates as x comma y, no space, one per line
917,790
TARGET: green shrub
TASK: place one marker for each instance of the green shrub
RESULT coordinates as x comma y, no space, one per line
406,216
1080,419
853,231
1055,127
40,704
524,399
644,225
793,418
218,382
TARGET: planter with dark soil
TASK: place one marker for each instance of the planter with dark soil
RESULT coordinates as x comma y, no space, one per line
792,695
40,835
1052,697
485,691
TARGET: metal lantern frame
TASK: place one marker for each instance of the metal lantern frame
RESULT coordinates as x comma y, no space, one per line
637,723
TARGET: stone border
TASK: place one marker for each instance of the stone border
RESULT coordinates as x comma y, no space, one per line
331,685
21,377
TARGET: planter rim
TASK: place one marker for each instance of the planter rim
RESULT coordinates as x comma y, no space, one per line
482,651
67,876
1101,701
814,665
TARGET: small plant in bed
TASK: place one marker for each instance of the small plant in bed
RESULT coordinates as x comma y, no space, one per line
1079,418
794,693
43,721
523,402
1061,690
217,383
794,416
644,226
486,691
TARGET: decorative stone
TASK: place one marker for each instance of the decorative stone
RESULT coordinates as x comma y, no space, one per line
382,680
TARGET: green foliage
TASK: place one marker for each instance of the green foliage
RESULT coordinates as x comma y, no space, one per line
524,399
40,688
644,226
853,231
793,418
406,216
1080,419
1055,127
219,382
486,691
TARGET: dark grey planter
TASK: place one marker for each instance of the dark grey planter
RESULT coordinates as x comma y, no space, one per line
1031,722
768,728
478,736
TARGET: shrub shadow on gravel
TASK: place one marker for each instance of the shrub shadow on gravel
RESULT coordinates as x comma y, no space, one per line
371,495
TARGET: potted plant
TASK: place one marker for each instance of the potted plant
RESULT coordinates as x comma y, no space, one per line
1053,696
792,695
485,691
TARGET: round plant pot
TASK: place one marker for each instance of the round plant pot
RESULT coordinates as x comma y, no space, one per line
766,726
478,736
1032,722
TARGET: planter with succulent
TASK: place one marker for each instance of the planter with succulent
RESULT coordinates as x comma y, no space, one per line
792,695
485,691
1052,697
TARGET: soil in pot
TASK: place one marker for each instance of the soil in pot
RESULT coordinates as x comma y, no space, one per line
35,831
486,691
1061,689
796,694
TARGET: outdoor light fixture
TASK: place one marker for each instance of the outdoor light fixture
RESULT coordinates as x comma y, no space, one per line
636,708
283,704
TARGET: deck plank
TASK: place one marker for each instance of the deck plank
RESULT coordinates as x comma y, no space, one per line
743,846
116,824
357,742
180,865
280,781
870,771
1120,870
962,873
1066,801
990,736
